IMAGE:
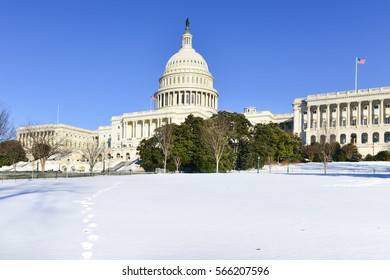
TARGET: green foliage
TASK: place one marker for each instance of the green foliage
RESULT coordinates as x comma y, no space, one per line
369,157
151,155
245,144
382,156
338,154
272,145
11,152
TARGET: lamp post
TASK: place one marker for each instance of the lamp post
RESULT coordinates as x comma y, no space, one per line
258,164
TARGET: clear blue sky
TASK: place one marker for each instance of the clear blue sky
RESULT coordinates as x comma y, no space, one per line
99,59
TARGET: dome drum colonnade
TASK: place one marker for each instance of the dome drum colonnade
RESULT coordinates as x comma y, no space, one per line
186,79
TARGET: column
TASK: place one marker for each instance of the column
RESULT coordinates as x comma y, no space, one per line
359,113
327,115
348,113
297,122
318,116
308,117
369,113
338,115
381,111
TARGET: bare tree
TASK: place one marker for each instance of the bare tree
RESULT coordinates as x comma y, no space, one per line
91,152
43,142
177,161
325,152
214,134
164,136
7,131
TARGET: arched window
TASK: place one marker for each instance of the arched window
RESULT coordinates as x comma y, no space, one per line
353,138
387,137
118,155
343,139
375,137
332,138
323,139
312,139
364,138
127,156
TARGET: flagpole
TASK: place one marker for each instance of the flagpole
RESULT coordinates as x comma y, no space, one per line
356,73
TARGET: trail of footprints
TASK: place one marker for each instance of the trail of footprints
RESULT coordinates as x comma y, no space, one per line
89,225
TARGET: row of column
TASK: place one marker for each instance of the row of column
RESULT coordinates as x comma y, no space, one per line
205,99
372,116
142,128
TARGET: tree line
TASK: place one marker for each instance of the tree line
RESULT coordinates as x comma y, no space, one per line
224,142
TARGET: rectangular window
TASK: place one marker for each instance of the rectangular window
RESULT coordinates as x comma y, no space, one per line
334,110
387,120
376,121
353,122
376,106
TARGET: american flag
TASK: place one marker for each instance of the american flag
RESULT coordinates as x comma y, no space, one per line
361,60
152,97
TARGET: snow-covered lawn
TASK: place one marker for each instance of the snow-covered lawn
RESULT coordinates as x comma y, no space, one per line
201,216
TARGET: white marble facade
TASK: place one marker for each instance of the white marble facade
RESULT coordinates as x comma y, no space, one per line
360,117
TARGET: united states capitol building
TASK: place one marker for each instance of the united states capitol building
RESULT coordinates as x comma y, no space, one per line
187,87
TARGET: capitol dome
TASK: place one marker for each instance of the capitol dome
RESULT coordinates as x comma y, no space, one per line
186,80
186,58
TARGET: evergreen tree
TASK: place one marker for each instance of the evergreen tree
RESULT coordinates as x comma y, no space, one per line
151,154
11,152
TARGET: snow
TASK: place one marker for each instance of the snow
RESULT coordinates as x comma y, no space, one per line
278,216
